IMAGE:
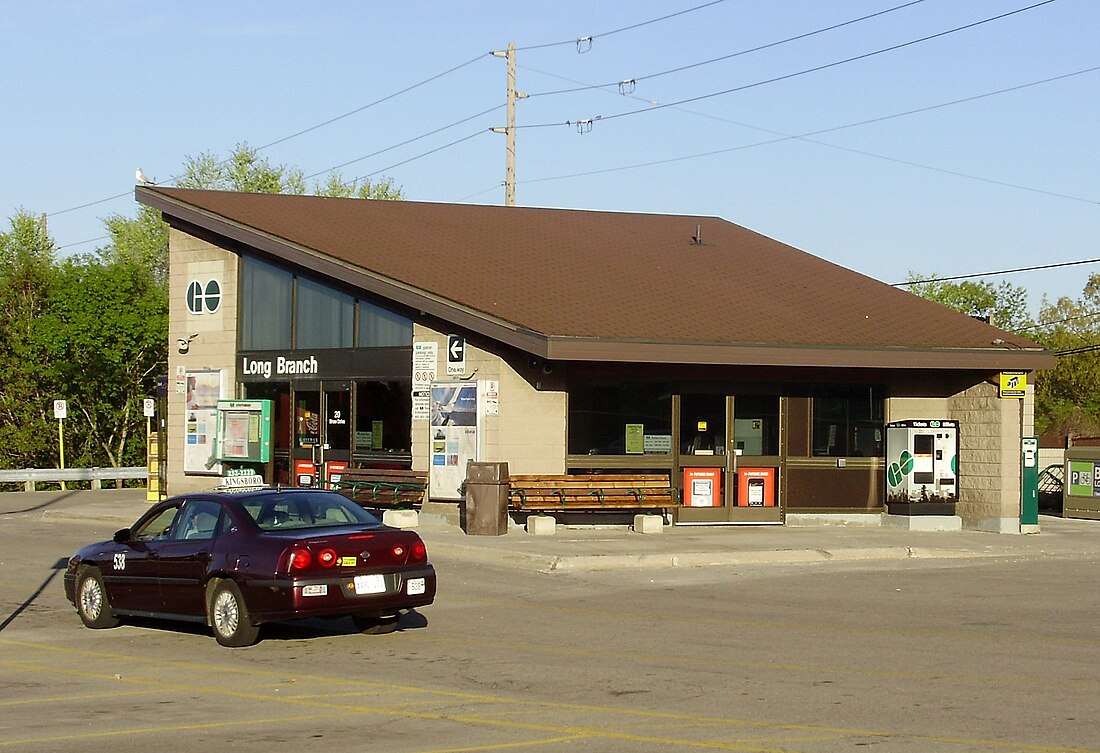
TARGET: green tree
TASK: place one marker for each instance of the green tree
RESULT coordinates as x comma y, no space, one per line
1067,398
104,337
93,329
27,433
141,240
1003,305
245,170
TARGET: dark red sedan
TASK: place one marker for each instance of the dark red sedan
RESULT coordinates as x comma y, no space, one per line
238,560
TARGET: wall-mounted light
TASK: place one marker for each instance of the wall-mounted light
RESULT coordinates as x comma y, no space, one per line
184,343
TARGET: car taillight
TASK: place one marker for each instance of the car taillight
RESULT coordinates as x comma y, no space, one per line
299,559
419,552
398,551
327,557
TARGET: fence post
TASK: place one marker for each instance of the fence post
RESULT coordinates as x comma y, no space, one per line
28,485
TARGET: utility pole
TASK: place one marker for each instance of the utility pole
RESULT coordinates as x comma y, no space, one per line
509,130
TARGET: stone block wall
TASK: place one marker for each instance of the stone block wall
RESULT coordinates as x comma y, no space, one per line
528,431
213,347
989,458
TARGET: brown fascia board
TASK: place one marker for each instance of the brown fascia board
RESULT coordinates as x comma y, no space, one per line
558,348
738,354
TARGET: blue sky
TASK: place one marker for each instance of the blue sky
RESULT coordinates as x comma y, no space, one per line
97,89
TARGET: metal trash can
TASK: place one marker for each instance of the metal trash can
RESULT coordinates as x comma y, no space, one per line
486,499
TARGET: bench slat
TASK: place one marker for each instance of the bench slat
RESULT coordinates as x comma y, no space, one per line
592,492
383,486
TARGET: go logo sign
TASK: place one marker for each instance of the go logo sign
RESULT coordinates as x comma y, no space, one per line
204,299
897,472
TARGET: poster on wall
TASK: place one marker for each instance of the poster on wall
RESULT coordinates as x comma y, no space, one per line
453,439
425,363
204,389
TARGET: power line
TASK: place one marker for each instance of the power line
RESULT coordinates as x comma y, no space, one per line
579,41
805,71
406,142
424,154
998,273
731,55
806,137
388,97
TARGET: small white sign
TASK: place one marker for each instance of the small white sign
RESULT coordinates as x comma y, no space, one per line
150,407
492,397
60,409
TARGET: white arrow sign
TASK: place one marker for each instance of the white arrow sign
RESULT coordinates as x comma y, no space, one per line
456,355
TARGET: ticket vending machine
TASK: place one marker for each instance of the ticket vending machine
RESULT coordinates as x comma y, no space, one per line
922,473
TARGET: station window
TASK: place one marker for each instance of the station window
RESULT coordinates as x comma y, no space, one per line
379,328
848,423
325,317
622,419
265,307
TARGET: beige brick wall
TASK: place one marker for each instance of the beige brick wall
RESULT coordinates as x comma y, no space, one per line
528,433
989,457
213,347
915,408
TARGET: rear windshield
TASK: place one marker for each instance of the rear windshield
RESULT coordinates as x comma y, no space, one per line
296,510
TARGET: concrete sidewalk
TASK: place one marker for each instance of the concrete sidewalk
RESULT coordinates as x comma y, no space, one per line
585,549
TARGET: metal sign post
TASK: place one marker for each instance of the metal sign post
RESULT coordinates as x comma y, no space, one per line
60,411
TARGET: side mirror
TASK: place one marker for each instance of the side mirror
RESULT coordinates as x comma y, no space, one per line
121,536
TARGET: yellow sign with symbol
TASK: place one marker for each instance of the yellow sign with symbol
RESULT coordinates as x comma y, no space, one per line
1013,384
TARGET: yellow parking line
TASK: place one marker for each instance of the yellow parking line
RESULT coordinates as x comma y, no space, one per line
594,733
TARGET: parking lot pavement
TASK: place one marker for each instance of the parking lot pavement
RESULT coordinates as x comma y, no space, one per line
581,549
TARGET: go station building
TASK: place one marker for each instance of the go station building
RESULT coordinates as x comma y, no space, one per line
766,382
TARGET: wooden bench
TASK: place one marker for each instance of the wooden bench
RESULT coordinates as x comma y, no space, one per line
592,492
383,487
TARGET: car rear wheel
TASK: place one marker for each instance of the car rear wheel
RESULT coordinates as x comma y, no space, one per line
372,624
91,601
229,617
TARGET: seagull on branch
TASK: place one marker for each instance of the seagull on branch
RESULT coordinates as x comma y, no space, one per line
140,177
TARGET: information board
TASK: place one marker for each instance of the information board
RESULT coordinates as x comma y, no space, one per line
244,431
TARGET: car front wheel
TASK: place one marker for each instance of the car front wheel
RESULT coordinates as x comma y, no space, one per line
229,617
91,601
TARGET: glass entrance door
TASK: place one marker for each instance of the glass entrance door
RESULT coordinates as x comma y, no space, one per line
322,433
729,459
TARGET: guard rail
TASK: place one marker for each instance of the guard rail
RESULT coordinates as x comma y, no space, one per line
31,477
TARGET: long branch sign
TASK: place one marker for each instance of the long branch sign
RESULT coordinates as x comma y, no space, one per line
295,365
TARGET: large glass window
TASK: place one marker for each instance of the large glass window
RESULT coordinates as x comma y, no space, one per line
379,328
266,295
756,424
632,418
383,416
848,423
703,424
325,317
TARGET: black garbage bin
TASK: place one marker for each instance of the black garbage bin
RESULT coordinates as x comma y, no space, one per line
486,499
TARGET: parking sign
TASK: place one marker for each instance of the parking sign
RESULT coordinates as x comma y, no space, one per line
60,409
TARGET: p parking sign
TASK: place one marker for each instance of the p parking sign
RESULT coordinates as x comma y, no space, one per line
60,409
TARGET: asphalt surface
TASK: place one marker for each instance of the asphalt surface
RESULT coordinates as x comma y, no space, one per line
610,548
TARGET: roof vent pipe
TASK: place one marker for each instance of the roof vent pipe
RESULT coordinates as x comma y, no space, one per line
697,239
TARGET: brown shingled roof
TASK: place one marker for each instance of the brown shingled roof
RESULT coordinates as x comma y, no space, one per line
605,285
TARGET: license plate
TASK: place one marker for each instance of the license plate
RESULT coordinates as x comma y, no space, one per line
315,590
370,584
415,586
